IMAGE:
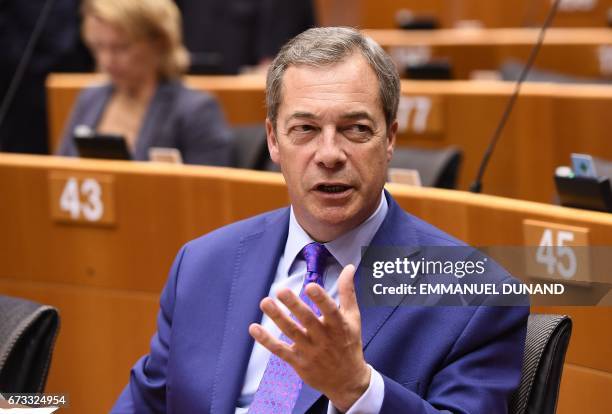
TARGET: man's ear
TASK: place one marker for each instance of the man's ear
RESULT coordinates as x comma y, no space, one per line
272,142
391,139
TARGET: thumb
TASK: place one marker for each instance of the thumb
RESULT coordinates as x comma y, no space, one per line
346,289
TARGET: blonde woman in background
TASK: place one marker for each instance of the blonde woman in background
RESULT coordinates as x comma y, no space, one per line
137,43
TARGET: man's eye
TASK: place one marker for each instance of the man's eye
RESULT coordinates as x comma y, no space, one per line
358,132
301,133
360,128
302,129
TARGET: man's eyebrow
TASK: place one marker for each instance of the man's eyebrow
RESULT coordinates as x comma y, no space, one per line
301,115
347,116
358,115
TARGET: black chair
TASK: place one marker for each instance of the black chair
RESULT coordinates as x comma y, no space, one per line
438,168
547,340
249,147
27,335
511,70
439,69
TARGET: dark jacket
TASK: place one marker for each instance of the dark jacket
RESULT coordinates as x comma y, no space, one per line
177,117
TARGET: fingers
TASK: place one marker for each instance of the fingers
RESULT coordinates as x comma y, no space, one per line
327,306
302,312
310,327
276,346
346,289
287,325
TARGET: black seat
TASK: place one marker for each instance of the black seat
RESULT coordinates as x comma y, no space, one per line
511,70
545,346
249,146
437,167
27,335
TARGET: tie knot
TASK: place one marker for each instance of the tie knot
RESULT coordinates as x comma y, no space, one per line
315,255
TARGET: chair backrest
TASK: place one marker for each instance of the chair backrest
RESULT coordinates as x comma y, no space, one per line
545,346
511,70
27,335
437,167
249,147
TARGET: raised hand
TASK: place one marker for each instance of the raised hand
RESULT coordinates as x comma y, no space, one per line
327,350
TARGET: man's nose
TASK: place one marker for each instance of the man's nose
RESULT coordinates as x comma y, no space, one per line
330,153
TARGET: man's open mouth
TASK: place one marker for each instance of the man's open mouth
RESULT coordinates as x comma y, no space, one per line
333,188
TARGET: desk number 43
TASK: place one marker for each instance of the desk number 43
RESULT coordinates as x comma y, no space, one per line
85,200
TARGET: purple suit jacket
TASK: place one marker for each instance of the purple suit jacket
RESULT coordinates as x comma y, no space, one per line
433,359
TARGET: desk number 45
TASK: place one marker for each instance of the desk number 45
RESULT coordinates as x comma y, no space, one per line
551,254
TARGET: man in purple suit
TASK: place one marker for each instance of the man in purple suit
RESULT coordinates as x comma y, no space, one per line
261,316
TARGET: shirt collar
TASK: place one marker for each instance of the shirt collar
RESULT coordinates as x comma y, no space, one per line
346,249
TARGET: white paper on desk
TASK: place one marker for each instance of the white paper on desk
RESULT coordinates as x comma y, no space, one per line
167,155
405,176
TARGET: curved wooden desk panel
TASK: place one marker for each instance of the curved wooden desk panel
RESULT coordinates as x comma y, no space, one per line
106,280
548,123
380,14
582,53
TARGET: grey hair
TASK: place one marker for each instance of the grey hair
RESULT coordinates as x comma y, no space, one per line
326,46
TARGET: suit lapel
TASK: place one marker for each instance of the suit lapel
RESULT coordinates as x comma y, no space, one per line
154,119
254,271
94,113
396,230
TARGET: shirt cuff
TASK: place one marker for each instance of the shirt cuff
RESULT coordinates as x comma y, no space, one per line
370,401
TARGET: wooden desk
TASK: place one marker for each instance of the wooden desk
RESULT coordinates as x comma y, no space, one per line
106,279
380,14
548,123
575,52
242,97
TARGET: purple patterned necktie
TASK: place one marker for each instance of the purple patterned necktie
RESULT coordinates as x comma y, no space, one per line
281,385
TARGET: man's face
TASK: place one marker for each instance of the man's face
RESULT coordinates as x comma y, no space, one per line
333,145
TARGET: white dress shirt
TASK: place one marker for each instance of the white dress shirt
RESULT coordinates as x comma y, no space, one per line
290,274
